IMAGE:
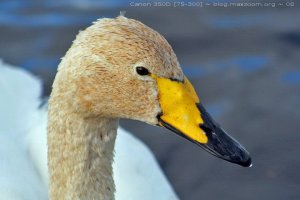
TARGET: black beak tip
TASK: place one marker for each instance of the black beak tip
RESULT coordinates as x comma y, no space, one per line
247,162
243,158
239,156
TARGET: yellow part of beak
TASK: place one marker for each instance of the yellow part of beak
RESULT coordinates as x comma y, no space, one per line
178,103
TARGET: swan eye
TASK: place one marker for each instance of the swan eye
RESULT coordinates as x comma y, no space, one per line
142,71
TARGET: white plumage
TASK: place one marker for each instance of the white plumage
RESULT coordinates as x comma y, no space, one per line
23,148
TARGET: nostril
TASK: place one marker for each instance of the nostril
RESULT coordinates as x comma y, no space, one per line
205,128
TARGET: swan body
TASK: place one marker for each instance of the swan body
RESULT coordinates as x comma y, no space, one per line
23,149
19,100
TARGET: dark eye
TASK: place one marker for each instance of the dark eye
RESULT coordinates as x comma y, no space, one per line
142,71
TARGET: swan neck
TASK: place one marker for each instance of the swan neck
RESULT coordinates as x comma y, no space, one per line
80,156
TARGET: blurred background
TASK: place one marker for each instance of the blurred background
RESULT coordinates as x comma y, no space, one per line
243,61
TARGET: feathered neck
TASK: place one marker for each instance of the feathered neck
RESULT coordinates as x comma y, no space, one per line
80,155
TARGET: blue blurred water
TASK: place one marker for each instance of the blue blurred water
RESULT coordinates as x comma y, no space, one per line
244,63
291,78
250,63
195,70
44,20
47,64
16,5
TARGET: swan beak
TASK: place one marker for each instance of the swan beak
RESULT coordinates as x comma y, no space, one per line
183,114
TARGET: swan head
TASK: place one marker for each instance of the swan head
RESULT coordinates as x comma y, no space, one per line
120,68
